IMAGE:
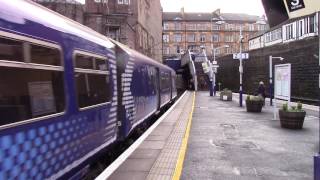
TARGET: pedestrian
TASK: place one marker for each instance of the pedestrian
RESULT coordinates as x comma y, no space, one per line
262,91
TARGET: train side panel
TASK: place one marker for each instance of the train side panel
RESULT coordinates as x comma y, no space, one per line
137,89
44,131
173,85
165,87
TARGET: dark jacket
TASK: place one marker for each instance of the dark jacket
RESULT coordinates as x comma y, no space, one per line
262,91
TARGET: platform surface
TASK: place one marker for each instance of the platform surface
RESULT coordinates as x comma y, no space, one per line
228,143
157,156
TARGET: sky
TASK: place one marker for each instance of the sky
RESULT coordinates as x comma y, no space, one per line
252,7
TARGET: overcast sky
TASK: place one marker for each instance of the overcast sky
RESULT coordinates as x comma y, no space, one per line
253,7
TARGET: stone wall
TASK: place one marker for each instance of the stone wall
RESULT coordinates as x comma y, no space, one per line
304,68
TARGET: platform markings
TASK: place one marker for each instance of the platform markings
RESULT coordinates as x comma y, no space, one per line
183,148
116,164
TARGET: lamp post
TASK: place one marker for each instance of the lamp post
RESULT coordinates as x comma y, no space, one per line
270,75
215,66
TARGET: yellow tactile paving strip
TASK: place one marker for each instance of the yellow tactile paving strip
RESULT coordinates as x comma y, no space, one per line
169,163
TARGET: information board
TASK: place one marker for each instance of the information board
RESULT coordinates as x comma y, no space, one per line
42,98
282,81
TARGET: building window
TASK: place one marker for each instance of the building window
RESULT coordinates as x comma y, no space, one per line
251,27
191,26
306,25
177,38
165,26
216,27
27,90
229,38
92,80
261,27
191,38
202,38
201,27
312,24
177,26
166,50
166,38
289,31
300,28
127,2
215,38
178,49
113,33
193,48
238,26
230,27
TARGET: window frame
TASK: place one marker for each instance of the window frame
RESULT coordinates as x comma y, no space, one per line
26,64
88,71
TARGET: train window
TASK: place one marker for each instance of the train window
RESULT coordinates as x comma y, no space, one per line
11,50
84,62
92,89
101,64
45,55
92,85
27,93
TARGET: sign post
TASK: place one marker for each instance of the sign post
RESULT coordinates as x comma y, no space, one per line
241,56
282,85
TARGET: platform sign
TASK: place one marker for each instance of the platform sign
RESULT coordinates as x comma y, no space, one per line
205,67
238,55
283,81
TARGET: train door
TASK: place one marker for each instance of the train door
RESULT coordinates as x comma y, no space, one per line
157,86
171,88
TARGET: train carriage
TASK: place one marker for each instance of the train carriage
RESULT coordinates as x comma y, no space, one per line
57,104
67,92
144,87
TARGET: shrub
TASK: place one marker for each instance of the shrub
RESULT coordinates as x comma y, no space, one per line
285,107
297,108
254,98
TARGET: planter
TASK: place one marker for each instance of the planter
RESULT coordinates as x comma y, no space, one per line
291,120
254,106
226,95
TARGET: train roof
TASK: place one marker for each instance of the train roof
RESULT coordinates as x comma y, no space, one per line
18,11
139,55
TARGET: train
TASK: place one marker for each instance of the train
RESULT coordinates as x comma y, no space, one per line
67,92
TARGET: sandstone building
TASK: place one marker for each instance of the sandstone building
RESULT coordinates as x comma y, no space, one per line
183,30
137,24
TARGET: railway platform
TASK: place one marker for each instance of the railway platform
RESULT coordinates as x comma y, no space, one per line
202,137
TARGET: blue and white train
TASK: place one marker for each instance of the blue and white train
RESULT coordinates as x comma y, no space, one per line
67,92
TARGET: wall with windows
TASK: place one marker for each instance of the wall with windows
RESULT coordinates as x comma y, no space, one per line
297,29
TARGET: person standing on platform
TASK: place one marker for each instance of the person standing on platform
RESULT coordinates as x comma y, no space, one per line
262,91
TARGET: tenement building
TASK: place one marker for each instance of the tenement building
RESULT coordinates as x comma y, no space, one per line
137,24
183,31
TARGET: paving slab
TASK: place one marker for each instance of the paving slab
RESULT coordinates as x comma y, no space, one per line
228,143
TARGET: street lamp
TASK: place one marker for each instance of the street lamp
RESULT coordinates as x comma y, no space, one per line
215,66
270,74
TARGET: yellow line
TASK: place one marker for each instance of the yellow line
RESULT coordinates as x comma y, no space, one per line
183,148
